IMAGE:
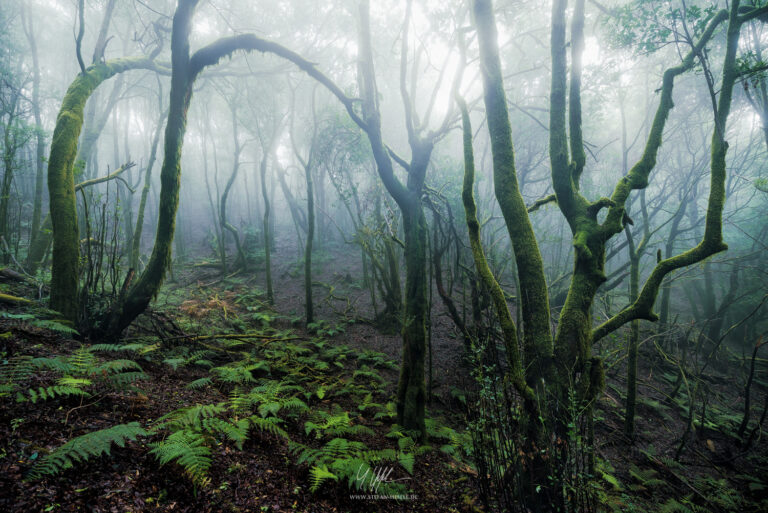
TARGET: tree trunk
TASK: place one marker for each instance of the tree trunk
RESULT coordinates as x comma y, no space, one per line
267,228
37,208
136,247
61,180
308,306
411,391
147,286
225,225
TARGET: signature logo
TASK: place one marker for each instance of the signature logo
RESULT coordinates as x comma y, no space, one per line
371,478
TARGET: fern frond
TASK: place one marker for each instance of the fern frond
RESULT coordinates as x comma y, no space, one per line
407,459
74,382
54,326
13,371
269,424
189,449
199,383
367,373
57,364
115,366
237,431
84,447
317,475
190,417
82,361
46,393
126,378
233,374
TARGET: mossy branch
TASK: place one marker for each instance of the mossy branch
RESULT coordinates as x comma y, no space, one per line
226,46
552,198
14,300
712,240
638,175
537,336
115,174
508,327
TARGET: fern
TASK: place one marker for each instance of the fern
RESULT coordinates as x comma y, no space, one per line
367,373
199,383
84,447
13,371
196,358
115,366
116,348
269,425
124,379
235,373
675,506
189,417
376,359
319,474
389,411
189,449
46,393
646,478
235,430
327,425
53,325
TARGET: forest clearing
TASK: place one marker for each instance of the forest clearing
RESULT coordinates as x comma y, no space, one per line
356,256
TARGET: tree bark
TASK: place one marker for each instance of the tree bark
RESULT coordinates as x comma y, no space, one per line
61,180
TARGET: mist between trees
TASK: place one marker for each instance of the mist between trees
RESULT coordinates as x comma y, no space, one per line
543,222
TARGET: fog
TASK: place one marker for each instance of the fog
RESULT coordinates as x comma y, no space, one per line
549,215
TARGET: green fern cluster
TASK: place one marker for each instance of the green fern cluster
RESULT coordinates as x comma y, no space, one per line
193,430
349,461
188,448
85,447
345,460
77,371
47,324
200,358
376,359
324,425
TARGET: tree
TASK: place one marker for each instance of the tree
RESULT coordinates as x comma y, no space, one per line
560,373
308,164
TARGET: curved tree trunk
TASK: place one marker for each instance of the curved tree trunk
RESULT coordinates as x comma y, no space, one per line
182,79
61,180
225,225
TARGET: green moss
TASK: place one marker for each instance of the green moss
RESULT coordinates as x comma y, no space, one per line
61,180
537,336
508,327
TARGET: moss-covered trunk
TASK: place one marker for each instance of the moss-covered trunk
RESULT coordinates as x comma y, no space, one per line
147,286
61,180
537,335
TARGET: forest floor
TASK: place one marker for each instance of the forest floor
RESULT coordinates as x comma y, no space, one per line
338,381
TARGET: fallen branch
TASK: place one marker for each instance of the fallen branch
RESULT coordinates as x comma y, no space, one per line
14,300
235,336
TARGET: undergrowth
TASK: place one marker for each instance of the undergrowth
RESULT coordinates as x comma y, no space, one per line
325,401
